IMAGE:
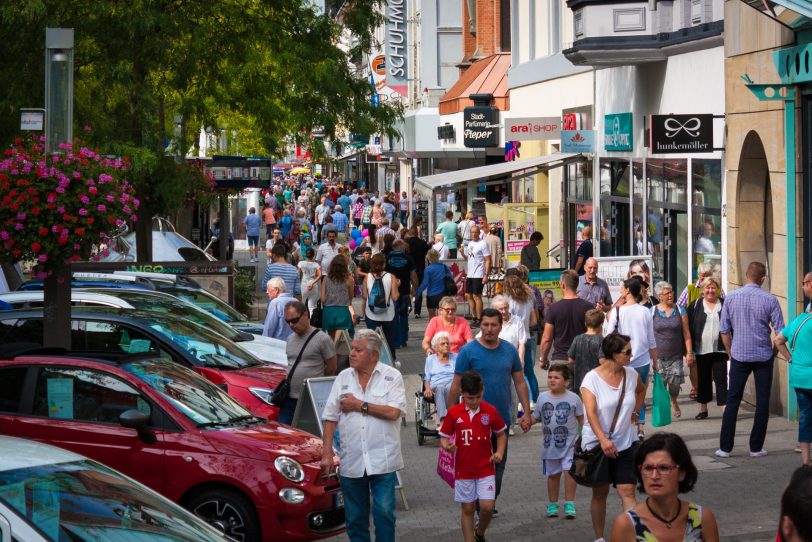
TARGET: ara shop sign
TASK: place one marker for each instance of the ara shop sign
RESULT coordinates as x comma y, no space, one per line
532,129
617,132
681,133
480,124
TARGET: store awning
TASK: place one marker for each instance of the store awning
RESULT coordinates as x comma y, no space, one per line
494,171
486,76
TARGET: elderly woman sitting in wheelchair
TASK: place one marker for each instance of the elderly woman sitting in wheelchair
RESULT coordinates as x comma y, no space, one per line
439,372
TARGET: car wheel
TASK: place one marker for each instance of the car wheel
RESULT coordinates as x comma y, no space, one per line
228,512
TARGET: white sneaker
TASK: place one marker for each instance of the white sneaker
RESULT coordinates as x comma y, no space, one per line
760,453
511,432
721,453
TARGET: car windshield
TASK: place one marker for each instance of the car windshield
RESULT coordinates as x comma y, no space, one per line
177,307
210,349
205,301
83,500
194,396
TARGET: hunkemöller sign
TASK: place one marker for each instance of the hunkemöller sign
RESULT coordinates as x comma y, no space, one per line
681,133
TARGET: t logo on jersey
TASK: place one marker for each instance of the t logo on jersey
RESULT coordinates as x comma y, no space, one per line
466,436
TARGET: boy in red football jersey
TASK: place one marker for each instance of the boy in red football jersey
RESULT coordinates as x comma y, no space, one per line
471,423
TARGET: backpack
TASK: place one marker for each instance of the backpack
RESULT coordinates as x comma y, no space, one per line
378,303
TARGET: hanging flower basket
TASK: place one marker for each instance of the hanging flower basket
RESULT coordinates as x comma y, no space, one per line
56,207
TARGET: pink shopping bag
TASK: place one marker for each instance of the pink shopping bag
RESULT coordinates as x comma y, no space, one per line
445,465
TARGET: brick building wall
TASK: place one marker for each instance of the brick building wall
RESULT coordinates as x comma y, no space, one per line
491,30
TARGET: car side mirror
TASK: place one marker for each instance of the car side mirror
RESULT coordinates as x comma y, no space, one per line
135,419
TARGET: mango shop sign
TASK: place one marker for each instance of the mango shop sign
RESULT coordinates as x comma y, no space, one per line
681,133
617,132
480,124
532,129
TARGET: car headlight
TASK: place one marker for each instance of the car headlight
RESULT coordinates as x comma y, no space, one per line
292,495
263,394
289,468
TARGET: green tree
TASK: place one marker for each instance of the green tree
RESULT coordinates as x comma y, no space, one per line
273,68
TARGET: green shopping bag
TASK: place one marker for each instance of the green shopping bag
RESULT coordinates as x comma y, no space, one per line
660,404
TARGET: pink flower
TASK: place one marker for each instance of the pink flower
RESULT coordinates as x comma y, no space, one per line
77,175
42,258
3,235
110,197
60,210
21,216
85,200
76,246
87,128
83,211
18,226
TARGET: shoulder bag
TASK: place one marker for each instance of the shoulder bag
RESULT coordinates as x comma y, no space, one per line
590,468
449,283
280,394
795,335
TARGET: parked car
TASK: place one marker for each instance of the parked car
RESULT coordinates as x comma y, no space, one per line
111,330
47,493
178,285
177,433
167,246
267,349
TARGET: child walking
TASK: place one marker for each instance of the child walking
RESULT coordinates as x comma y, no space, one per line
561,414
585,351
471,423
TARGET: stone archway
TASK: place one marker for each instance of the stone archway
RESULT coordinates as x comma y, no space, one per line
754,209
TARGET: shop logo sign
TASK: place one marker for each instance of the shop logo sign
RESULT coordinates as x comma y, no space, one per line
578,141
480,126
681,133
397,66
532,129
617,132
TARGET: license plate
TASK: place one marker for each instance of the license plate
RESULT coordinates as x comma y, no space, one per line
339,500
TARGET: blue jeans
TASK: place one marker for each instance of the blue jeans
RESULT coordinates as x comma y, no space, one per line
739,373
804,414
404,303
389,330
357,493
529,373
643,372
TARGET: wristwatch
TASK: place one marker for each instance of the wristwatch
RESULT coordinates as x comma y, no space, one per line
365,408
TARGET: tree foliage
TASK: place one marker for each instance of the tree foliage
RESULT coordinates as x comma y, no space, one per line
273,67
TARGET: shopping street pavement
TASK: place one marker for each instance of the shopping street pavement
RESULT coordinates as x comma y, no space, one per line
743,492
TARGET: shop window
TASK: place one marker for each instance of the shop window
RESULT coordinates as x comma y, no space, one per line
579,212
667,220
707,219
616,220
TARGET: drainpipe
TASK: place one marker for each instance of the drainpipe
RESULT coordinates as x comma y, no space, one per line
786,92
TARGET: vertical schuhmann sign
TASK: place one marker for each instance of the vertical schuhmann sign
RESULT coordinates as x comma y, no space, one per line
681,133
480,125
397,65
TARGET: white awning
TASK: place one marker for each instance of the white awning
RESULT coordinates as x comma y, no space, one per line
540,163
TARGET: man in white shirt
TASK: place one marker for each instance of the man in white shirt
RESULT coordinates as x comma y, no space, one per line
479,265
327,251
322,209
365,404
440,247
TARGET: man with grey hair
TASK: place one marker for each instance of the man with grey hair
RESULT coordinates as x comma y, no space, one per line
370,437
275,324
592,288
383,230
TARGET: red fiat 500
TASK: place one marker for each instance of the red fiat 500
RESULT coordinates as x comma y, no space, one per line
179,434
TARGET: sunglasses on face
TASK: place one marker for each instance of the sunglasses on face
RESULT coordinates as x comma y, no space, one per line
294,321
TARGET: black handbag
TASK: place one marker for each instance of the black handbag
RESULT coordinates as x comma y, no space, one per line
280,394
590,468
450,284
316,317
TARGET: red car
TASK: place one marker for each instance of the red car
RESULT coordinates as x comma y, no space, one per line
177,433
108,330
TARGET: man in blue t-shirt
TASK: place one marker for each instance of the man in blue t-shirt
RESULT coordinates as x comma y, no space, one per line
498,363
252,224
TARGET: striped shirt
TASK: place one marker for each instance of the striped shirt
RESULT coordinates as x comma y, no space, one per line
748,314
286,272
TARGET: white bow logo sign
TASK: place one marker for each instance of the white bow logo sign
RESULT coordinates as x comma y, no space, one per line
690,127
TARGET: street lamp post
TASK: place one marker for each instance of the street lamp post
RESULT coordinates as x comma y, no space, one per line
58,86
58,129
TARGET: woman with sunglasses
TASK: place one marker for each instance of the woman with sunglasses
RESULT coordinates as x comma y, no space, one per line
664,469
601,391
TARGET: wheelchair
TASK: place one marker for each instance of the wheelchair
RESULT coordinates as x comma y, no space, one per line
424,411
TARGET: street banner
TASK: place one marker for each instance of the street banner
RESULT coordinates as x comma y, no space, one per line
397,56
614,270
547,279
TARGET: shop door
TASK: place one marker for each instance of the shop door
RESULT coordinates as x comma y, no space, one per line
669,249
615,228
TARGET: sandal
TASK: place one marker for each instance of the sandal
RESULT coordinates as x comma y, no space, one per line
701,415
692,395
677,413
